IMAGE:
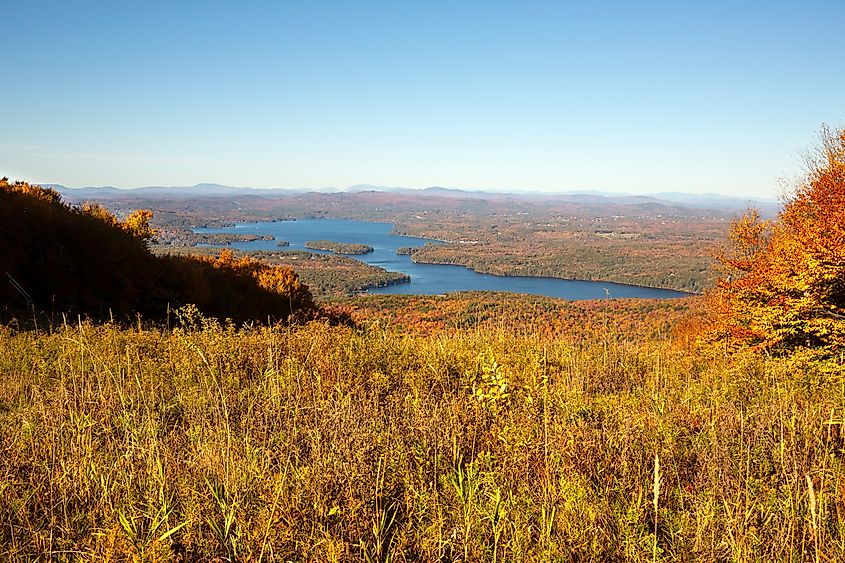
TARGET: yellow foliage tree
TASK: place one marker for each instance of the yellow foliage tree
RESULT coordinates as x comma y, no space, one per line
283,281
99,212
44,195
138,224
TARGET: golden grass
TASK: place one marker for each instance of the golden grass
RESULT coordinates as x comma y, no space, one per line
322,443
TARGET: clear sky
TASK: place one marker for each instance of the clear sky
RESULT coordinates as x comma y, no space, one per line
632,96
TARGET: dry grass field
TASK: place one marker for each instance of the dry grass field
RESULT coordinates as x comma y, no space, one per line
492,443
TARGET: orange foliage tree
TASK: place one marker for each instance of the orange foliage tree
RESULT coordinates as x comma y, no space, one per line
277,280
782,284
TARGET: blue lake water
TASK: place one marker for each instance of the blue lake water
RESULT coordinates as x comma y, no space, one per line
426,279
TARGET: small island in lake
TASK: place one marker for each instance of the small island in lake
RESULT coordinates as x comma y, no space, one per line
187,238
339,247
407,250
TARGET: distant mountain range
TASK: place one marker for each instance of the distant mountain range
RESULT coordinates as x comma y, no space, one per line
697,201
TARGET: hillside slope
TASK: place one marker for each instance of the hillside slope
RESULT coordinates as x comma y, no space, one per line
61,259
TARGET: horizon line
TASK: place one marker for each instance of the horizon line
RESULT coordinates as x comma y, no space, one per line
361,187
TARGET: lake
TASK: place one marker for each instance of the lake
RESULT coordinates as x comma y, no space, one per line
426,279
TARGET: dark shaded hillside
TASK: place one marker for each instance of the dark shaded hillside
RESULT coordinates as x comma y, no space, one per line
82,260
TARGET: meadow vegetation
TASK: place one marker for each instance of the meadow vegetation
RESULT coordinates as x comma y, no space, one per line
493,442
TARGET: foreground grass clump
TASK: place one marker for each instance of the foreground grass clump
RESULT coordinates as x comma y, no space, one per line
325,443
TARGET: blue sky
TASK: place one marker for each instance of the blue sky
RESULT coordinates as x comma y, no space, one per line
636,97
